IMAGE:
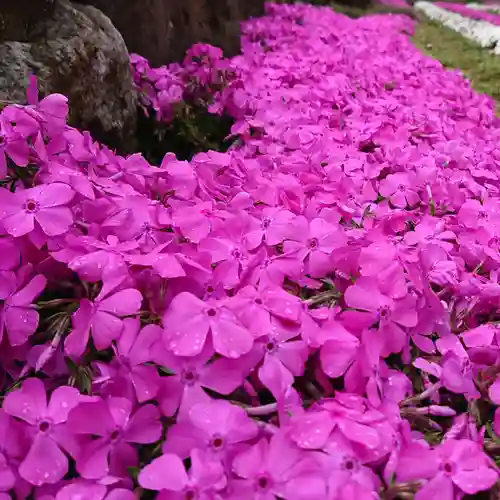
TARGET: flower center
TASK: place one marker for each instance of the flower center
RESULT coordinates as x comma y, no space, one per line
483,214
212,312
313,243
263,483
190,494
258,301
31,206
266,222
44,426
271,345
447,468
384,312
217,442
189,377
401,187
115,435
349,464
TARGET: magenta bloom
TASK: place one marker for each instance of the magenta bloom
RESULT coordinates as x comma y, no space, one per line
129,374
494,393
91,491
315,241
278,468
13,448
215,427
43,204
168,475
400,189
387,307
116,426
17,314
194,221
103,319
46,461
184,387
349,414
284,356
188,321
454,467
339,349
275,225
348,476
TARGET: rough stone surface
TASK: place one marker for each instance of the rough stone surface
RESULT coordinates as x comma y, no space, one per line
162,30
20,19
74,50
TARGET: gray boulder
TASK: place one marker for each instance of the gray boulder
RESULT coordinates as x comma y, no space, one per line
74,50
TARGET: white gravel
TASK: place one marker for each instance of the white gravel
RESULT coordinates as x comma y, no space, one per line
483,33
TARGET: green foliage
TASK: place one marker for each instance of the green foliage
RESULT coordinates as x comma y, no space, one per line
192,131
356,12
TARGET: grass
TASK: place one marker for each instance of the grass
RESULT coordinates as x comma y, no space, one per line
356,12
454,51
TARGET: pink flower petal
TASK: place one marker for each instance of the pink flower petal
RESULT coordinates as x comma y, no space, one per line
53,195
62,401
164,473
54,221
144,426
29,403
122,303
19,224
45,463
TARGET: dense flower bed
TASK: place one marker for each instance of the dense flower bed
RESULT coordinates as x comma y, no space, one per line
312,315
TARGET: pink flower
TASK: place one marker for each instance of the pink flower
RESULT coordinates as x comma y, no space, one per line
116,426
168,265
194,221
347,474
273,228
454,467
188,320
338,350
103,319
17,314
184,388
391,311
91,491
45,461
129,374
216,427
316,241
43,204
400,189
284,355
278,468
13,448
454,373
349,414
168,475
